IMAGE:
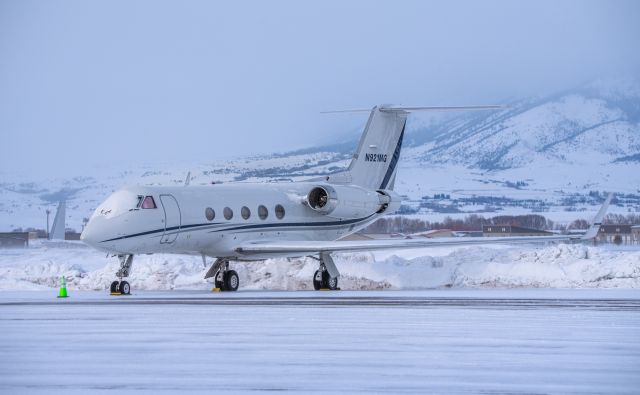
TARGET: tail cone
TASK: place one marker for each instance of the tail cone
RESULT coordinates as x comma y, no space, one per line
63,288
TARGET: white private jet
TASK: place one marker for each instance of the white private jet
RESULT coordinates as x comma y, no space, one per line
255,221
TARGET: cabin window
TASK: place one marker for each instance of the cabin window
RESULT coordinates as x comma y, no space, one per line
245,212
279,211
148,202
262,212
209,213
228,213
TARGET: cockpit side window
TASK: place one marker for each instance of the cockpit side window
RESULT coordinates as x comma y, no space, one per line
140,199
148,202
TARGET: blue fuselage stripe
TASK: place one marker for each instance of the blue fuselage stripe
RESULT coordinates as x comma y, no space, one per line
194,227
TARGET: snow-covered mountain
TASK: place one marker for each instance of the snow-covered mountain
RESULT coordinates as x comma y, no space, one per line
597,124
555,150
544,154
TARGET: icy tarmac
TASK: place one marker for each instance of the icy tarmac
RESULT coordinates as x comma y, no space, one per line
441,341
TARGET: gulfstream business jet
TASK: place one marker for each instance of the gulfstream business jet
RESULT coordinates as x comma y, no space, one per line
254,221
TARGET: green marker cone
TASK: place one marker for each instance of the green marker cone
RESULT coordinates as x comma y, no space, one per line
63,288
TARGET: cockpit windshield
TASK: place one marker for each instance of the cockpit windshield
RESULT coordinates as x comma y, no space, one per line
123,201
148,202
118,203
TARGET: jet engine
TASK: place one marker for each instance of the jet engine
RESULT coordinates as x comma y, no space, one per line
349,201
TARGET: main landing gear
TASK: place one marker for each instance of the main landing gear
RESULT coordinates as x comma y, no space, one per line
121,287
326,277
224,279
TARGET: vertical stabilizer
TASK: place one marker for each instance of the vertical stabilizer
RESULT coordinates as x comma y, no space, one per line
59,225
375,163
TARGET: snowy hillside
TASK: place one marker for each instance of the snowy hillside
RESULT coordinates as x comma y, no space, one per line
578,127
556,266
541,154
554,149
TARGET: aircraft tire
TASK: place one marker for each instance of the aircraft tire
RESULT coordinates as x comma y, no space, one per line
231,281
115,287
125,288
325,279
317,284
332,283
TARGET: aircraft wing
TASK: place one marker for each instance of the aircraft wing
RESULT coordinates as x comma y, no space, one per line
313,247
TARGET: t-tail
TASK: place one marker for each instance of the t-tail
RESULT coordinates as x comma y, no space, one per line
375,162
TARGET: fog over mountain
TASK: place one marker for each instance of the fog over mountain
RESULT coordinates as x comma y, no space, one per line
121,84
553,154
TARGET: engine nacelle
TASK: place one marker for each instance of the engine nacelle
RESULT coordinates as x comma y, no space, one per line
348,201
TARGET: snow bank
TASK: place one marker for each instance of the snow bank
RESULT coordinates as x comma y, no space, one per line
555,266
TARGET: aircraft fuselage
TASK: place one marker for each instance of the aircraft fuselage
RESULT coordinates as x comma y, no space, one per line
213,219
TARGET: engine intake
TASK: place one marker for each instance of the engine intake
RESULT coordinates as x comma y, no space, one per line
323,199
318,198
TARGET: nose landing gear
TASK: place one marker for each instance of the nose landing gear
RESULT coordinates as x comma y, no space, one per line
122,287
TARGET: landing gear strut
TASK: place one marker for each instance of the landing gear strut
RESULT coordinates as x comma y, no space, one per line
224,279
122,287
326,277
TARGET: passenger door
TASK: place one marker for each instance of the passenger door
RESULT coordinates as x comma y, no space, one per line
172,219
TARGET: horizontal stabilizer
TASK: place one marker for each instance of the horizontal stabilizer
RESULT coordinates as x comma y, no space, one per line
390,108
438,108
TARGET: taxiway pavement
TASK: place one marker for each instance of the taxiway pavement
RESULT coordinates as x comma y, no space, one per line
441,341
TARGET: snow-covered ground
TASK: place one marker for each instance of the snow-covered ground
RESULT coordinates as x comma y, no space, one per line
485,325
449,341
558,266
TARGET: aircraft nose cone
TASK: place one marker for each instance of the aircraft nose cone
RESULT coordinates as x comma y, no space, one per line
88,235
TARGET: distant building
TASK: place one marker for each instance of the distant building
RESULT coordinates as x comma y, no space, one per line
510,230
72,236
16,239
635,234
615,233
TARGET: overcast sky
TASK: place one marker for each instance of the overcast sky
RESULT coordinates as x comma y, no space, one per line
150,81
